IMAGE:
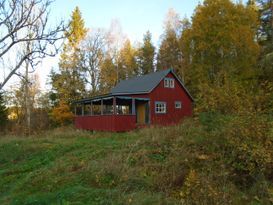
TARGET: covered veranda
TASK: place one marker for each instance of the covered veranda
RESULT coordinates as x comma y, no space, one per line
106,113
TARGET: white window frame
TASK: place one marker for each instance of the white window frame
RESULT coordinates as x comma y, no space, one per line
179,103
168,83
160,107
171,83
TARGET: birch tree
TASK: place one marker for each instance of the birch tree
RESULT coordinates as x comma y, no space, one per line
92,56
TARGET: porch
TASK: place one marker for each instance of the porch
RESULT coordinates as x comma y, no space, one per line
111,113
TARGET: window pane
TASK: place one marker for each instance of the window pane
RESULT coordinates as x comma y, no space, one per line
178,104
160,107
172,83
166,83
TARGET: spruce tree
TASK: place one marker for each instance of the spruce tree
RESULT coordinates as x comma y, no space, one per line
169,54
3,112
146,55
69,83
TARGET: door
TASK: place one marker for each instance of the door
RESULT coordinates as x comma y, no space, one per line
142,111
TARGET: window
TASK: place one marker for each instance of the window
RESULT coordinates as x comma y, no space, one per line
160,107
168,83
108,109
178,105
123,109
171,83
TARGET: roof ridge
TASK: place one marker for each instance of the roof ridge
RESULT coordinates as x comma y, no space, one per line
151,73
140,84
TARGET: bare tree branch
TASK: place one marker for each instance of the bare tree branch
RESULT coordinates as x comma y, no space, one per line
92,55
19,19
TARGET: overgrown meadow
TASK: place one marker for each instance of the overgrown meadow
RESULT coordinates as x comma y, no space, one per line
210,159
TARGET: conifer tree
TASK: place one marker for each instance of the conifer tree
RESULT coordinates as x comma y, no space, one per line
69,83
169,54
3,112
146,55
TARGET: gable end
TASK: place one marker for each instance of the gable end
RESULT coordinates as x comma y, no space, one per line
177,78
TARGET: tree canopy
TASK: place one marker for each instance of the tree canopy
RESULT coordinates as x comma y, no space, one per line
146,54
220,43
69,83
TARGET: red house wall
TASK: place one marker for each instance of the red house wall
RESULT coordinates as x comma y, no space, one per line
115,123
169,95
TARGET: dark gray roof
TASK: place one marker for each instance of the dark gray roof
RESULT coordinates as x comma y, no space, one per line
140,84
137,85
143,84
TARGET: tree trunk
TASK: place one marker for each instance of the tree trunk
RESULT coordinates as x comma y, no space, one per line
271,6
27,103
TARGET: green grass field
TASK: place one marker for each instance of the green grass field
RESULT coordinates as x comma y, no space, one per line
170,165
73,167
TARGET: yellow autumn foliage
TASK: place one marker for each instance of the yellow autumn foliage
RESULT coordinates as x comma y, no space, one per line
61,114
198,189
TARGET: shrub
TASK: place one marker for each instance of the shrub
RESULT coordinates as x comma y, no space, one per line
199,189
249,148
62,114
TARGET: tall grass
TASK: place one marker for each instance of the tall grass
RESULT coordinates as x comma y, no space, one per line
195,162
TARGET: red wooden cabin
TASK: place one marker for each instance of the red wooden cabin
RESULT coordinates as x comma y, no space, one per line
156,98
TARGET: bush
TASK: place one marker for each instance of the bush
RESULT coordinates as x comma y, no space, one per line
62,114
199,189
234,98
248,150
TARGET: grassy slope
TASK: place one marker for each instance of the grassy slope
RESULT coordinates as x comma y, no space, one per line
150,166
74,167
